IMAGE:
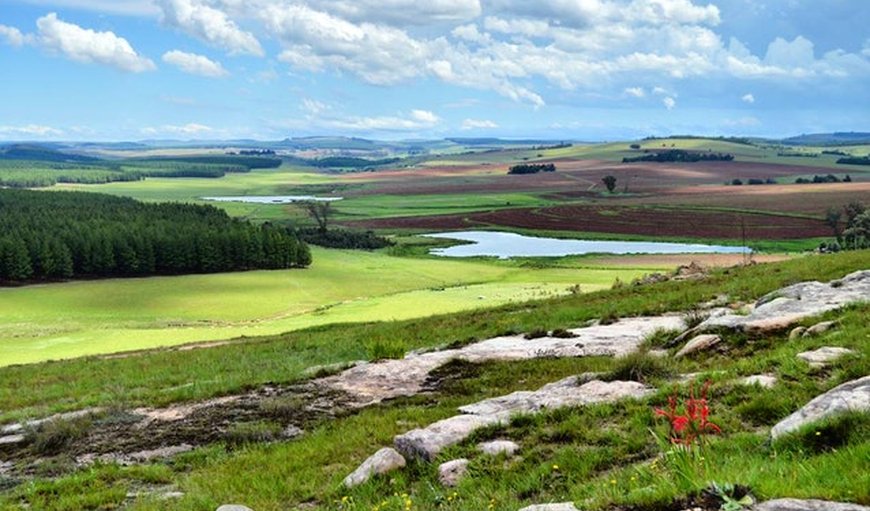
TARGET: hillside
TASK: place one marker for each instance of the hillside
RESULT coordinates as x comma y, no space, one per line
285,423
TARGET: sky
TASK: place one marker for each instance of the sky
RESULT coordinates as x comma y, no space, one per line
595,70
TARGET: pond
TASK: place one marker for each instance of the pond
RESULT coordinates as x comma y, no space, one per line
505,245
273,199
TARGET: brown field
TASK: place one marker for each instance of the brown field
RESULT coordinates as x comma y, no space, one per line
646,221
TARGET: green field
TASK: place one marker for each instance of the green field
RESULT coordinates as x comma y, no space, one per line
84,318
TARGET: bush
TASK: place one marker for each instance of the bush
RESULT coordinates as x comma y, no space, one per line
342,238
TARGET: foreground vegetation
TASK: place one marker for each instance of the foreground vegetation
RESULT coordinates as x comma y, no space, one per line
601,456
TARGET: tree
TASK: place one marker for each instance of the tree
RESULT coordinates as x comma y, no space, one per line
609,182
832,218
320,211
857,236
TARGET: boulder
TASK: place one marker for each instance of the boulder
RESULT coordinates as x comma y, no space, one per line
426,443
762,380
384,461
819,328
699,343
564,506
824,355
496,447
851,396
451,472
796,333
234,507
807,505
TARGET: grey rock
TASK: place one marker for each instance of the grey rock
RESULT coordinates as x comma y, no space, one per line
496,447
451,472
762,380
819,328
807,505
781,309
372,383
796,333
658,353
384,461
564,506
234,507
9,429
699,343
851,396
426,443
12,440
292,431
824,355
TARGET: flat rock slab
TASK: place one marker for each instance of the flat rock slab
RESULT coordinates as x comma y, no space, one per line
384,461
781,309
426,443
824,355
698,343
850,396
375,382
16,428
564,506
234,507
807,505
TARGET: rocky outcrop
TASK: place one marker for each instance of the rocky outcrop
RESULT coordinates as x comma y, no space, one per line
698,343
807,505
823,356
426,443
781,309
851,396
564,506
375,382
451,472
382,462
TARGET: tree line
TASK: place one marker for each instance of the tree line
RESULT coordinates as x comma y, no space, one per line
532,168
68,235
679,155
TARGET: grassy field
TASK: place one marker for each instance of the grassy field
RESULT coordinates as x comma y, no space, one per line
598,456
86,318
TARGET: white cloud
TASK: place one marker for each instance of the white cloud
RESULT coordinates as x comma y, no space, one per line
194,64
212,25
660,91
424,116
123,7
314,107
401,12
636,92
12,35
30,130
669,102
417,120
190,129
748,98
474,124
85,45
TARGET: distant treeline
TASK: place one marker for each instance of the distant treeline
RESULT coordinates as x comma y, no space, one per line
63,235
342,238
532,168
351,162
679,155
830,178
797,155
733,140
255,152
754,181
855,160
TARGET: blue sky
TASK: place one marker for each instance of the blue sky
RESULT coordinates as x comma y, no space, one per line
578,69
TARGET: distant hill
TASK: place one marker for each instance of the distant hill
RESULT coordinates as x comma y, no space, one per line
41,153
829,139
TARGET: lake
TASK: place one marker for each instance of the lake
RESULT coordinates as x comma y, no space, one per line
505,245
273,199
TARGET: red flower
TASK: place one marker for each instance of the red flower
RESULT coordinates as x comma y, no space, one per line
694,423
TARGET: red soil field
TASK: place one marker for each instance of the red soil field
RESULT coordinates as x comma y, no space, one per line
647,221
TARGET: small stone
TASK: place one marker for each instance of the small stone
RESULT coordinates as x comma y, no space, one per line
451,472
292,431
497,447
796,333
658,353
234,507
807,505
765,381
824,355
819,328
564,506
699,343
384,461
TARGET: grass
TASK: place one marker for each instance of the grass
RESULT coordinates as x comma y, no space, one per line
97,317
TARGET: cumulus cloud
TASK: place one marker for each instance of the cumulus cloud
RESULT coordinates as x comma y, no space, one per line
123,7
194,64
401,12
85,45
212,25
190,129
636,92
669,102
475,124
30,130
748,98
12,35
416,120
